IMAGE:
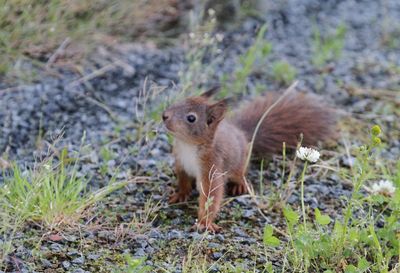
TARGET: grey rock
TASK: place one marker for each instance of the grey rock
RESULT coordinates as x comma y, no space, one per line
216,255
56,247
213,245
139,253
79,260
46,263
93,256
66,264
175,234
239,232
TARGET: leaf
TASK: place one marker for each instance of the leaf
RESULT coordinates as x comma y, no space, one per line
269,239
291,216
362,265
323,220
269,267
338,229
351,269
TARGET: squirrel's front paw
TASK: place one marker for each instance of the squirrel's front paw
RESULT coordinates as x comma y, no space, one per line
203,226
178,197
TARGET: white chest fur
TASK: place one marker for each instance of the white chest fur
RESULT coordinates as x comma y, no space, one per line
187,155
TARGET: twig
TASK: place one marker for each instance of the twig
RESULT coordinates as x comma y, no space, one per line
267,111
13,88
92,75
59,50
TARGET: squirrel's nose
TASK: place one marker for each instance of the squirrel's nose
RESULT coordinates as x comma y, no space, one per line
165,116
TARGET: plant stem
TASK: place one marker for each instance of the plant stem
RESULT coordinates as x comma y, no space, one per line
302,194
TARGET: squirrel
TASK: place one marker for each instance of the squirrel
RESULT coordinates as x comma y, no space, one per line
211,149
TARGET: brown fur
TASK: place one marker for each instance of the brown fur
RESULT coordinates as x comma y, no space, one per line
213,150
296,114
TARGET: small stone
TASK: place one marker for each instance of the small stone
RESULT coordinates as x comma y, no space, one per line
175,234
348,161
216,255
213,245
93,256
140,253
71,238
240,232
154,233
149,250
56,247
66,264
79,260
73,252
220,237
196,236
248,213
46,263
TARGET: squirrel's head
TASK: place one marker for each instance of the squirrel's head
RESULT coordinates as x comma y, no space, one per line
195,119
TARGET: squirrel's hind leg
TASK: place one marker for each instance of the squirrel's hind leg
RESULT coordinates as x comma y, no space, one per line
237,183
237,186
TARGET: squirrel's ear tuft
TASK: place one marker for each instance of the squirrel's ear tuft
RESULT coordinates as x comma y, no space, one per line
216,111
211,92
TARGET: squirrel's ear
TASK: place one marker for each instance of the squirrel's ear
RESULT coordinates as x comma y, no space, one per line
216,111
211,92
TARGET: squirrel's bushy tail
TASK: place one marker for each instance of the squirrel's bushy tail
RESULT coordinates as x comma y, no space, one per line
294,115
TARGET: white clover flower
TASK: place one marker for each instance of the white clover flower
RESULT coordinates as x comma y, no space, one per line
308,154
192,35
211,12
383,187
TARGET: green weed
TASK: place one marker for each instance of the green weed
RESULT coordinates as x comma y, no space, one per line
328,48
246,64
133,265
52,194
353,244
283,72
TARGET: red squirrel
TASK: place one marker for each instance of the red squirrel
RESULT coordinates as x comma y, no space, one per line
212,150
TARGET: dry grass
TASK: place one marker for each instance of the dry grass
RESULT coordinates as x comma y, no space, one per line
46,33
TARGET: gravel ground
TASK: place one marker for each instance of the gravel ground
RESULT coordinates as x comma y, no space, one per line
106,108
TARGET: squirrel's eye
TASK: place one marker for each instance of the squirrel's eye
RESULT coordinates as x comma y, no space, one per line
191,118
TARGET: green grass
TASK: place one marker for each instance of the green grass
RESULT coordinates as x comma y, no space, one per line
51,195
283,72
354,243
246,64
328,48
33,30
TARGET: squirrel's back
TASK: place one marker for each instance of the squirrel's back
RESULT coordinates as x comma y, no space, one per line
295,114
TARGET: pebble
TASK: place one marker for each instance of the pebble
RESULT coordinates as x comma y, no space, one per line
175,234
66,264
216,255
56,247
46,263
79,260
139,253
93,256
